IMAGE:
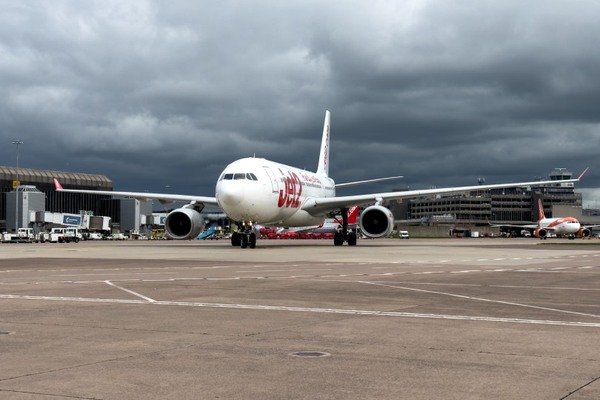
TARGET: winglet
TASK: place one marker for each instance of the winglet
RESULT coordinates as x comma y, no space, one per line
57,185
583,173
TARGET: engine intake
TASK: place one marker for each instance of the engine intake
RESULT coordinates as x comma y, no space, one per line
540,233
376,222
584,232
183,223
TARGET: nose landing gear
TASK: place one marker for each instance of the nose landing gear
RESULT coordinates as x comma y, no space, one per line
245,238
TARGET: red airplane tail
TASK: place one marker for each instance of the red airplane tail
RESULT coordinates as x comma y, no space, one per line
57,185
541,214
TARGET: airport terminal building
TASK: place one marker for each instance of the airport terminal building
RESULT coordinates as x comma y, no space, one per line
33,181
498,206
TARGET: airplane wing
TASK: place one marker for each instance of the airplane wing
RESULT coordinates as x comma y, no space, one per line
319,206
143,196
527,226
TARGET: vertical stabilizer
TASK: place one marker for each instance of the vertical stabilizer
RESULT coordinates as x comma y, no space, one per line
323,167
541,214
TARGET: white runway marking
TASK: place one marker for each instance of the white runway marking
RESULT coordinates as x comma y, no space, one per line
148,299
481,299
310,310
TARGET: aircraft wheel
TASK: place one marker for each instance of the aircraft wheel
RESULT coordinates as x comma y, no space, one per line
252,241
244,241
338,240
236,240
352,239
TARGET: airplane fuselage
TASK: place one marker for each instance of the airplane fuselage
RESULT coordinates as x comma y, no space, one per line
260,191
561,226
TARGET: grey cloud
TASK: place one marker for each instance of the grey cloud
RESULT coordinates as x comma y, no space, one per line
156,93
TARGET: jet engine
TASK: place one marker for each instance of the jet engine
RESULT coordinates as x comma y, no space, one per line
540,233
584,232
376,221
183,223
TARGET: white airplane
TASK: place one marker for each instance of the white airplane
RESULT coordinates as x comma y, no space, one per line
258,191
560,226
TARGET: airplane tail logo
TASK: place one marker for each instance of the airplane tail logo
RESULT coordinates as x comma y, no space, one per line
323,167
541,214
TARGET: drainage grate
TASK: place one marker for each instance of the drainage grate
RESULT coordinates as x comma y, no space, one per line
310,354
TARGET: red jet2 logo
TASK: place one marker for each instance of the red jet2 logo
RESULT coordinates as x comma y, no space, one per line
290,196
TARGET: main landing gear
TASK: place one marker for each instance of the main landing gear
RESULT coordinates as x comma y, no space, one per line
344,234
245,238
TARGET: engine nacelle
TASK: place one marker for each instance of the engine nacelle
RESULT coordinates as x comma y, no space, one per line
540,233
183,223
376,222
584,232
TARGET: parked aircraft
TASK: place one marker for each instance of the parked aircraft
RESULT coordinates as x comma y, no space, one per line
258,191
332,225
560,226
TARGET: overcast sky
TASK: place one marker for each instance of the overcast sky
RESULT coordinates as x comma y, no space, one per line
162,95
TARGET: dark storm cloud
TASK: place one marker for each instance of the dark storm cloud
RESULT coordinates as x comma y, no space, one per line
157,94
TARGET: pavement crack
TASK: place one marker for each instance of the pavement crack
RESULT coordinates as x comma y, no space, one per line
99,362
109,328
498,353
579,388
62,396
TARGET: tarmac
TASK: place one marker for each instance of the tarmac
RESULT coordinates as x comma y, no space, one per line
301,319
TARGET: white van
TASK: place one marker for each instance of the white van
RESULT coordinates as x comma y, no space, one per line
403,234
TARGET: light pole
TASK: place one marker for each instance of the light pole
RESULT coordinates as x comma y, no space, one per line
17,143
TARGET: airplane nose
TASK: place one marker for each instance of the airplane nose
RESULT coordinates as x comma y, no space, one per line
229,195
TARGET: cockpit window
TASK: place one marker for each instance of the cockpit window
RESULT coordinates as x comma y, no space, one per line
239,176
